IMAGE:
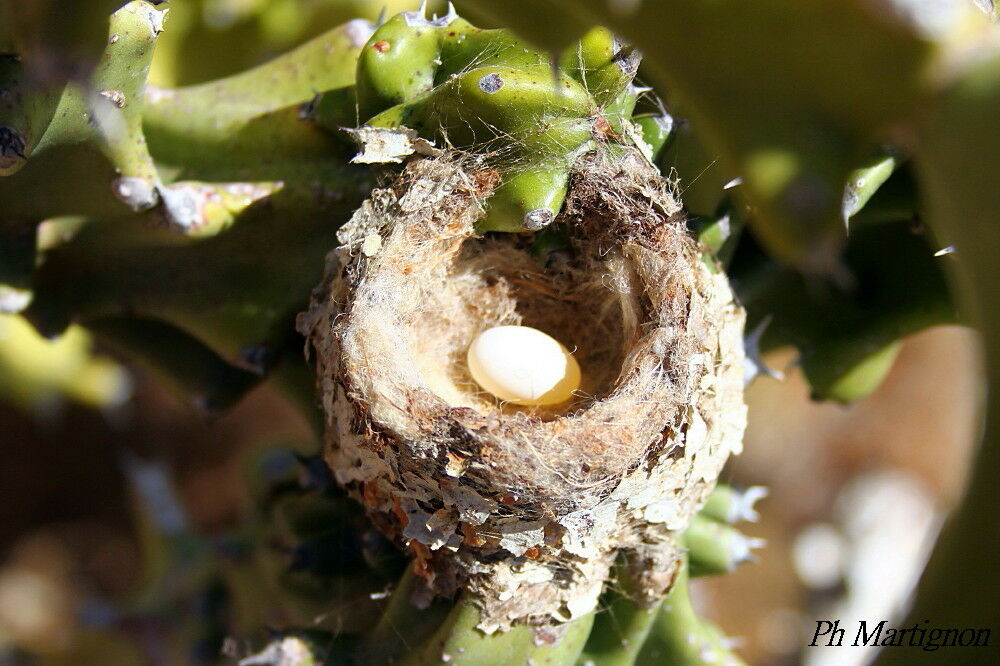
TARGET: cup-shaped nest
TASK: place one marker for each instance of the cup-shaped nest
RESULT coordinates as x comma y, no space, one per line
528,507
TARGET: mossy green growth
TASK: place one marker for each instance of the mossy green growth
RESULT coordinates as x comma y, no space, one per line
484,91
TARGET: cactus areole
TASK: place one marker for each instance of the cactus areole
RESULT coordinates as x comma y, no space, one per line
526,507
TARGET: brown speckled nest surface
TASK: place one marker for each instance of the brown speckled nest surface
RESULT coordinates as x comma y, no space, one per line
528,508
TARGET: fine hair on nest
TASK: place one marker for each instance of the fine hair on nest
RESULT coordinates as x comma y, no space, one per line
505,499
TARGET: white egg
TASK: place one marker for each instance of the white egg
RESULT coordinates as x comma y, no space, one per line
522,365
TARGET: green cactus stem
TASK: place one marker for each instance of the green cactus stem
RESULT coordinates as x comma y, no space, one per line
846,340
36,373
406,635
715,233
656,130
240,136
107,112
865,376
679,637
236,292
621,627
288,186
896,199
458,641
880,192
485,91
731,505
115,102
185,365
403,628
716,548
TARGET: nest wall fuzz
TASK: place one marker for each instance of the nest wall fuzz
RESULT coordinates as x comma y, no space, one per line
528,507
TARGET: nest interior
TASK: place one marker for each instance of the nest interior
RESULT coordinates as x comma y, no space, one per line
497,281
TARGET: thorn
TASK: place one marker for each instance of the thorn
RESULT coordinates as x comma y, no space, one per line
735,182
307,109
538,219
136,193
945,251
419,17
754,364
381,16
744,546
180,205
748,498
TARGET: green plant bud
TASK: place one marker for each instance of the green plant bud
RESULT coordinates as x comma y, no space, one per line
716,548
713,233
396,64
618,114
595,49
528,200
524,108
606,65
116,101
732,505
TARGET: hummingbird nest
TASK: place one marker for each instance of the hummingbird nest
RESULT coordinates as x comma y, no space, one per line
528,507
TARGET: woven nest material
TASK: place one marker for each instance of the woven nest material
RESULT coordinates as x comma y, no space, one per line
528,507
